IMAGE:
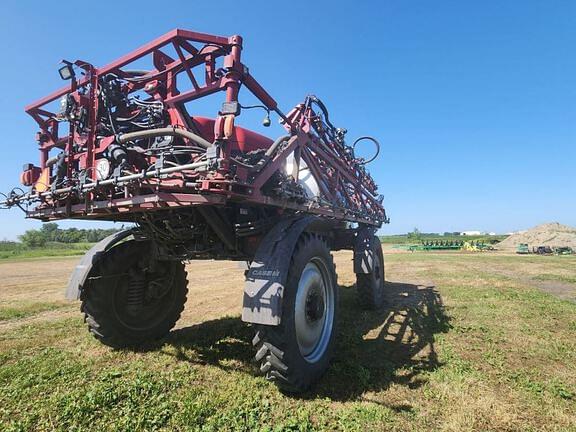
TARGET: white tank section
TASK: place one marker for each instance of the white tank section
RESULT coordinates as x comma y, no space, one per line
305,177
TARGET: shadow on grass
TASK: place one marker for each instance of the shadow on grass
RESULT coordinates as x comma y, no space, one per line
393,345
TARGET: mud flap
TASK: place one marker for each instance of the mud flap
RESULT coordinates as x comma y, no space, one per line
267,275
81,271
363,251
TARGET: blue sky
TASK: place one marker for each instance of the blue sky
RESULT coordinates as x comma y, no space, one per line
474,102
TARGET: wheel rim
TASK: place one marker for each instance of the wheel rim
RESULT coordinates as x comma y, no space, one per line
314,310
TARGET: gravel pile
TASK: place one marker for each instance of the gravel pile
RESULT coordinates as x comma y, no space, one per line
550,234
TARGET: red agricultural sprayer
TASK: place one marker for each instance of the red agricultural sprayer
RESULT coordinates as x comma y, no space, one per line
122,143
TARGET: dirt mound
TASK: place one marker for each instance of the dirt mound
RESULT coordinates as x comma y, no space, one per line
549,234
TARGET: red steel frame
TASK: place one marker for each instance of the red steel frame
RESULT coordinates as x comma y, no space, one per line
347,190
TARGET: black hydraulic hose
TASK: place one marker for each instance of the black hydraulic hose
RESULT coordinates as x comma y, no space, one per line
166,131
275,145
267,155
321,105
376,143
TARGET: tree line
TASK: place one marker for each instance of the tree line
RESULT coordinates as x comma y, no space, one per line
51,233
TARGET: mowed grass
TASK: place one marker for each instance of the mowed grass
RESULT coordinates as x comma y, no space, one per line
465,342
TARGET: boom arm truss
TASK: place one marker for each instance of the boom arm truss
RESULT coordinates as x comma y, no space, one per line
160,157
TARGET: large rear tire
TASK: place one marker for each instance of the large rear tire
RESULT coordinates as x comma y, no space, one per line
297,352
127,303
370,286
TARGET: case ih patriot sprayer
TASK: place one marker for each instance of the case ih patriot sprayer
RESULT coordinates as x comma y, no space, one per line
122,143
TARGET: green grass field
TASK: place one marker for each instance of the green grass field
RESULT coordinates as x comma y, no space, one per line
466,342
12,250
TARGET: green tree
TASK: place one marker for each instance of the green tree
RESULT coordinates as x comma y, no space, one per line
415,235
50,231
33,238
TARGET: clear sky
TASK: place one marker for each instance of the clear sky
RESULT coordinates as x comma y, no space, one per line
474,101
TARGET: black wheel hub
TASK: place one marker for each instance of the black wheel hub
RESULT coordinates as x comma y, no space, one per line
143,297
314,306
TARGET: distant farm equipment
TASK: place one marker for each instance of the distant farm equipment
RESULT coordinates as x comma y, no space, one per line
448,245
542,250
524,249
565,250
